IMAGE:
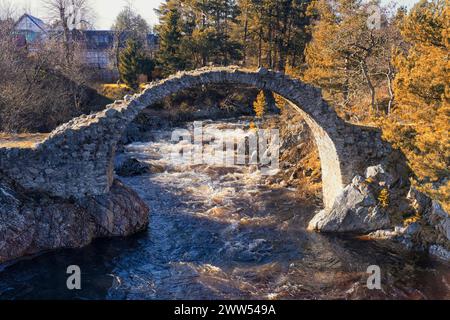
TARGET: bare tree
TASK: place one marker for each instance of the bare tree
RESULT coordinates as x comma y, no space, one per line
69,15
131,23
8,11
39,89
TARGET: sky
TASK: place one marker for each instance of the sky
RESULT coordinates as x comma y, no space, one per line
106,10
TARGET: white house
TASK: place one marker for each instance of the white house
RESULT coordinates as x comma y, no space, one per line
97,43
31,28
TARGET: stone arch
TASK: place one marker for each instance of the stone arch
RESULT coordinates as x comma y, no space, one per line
76,160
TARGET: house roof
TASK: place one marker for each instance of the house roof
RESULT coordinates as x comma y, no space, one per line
93,39
97,39
38,22
104,39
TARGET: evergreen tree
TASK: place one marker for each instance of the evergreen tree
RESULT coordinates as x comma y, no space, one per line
274,32
130,63
128,24
146,67
170,55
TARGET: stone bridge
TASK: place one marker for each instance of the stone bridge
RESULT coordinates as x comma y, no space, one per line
76,160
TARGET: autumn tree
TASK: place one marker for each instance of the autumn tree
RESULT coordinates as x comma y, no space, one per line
259,106
420,123
350,59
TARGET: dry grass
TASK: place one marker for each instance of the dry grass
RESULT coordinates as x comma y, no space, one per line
22,141
116,91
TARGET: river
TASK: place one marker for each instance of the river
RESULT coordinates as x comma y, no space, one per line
221,232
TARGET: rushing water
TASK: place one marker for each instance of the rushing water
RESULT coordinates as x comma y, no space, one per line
222,233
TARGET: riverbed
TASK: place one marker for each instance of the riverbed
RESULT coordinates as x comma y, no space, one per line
223,232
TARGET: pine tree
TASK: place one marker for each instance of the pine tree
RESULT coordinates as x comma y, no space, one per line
259,106
130,63
170,54
211,40
274,32
128,22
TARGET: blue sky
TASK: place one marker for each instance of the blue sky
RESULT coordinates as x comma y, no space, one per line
107,10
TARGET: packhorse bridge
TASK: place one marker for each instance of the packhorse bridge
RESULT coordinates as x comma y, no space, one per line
76,160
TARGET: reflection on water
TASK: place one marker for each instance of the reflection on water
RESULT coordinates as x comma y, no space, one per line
222,233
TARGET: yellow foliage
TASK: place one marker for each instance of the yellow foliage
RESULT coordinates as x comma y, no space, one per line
383,198
329,54
411,220
260,105
279,101
420,123
21,141
116,91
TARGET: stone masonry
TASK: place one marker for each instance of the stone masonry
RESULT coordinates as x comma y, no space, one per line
76,160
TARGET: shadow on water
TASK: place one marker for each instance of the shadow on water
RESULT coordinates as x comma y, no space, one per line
218,234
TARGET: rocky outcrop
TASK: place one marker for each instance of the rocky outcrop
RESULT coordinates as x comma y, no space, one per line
433,228
132,167
426,228
356,210
439,252
367,204
380,206
32,223
119,213
440,220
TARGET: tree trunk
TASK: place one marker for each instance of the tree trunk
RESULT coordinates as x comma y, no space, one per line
244,51
66,31
389,76
374,106
260,64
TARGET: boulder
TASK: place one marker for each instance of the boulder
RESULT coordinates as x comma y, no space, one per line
420,201
380,175
439,252
355,210
119,213
33,223
133,167
434,215
440,220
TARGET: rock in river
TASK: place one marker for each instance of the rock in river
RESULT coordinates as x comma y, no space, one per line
32,223
355,210
132,167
